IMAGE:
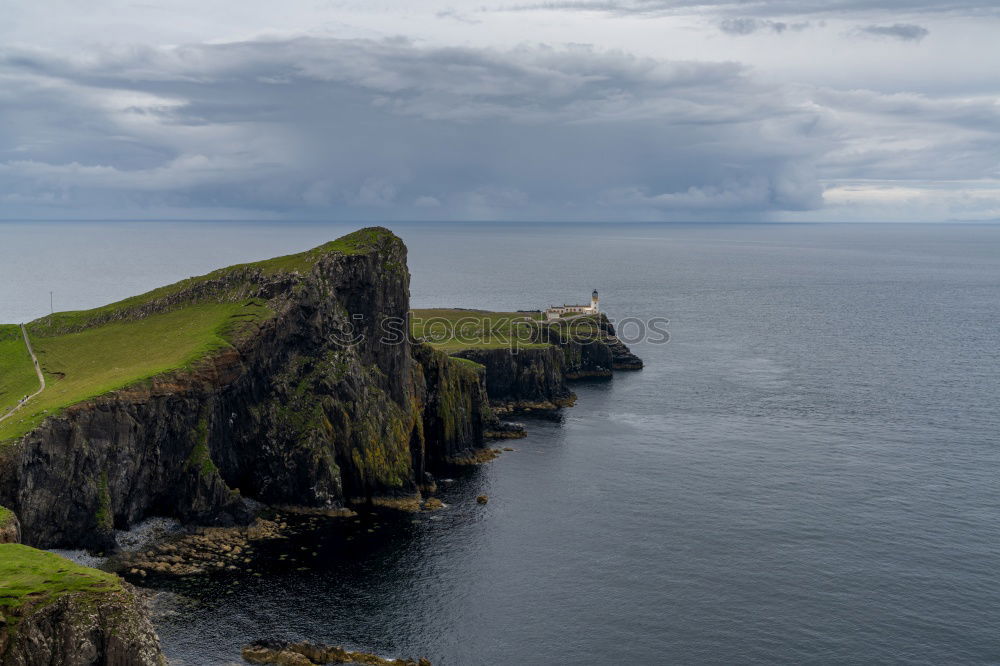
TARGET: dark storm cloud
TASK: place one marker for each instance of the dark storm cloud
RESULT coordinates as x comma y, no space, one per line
364,129
748,26
907,32
384,129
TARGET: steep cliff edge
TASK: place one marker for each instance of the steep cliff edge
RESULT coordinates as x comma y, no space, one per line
53,611
532,378
528,360
299,385
589,344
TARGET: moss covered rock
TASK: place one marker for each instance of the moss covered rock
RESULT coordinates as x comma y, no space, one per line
10,529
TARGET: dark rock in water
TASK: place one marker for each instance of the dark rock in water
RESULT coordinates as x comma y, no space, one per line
308,654
433,504
295,412
477,457
483,499
207,550
507,430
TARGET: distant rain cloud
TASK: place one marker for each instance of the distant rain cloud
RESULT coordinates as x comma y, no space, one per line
748,26
907,32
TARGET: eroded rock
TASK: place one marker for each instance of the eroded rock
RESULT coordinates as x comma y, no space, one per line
56,613
309,654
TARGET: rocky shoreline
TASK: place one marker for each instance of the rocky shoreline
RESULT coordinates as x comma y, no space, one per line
308,654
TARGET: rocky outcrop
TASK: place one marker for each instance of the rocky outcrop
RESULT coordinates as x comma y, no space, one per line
523,379
309,654
325,402
535,377
455,408
590,346
80,631
622,357
10,528
70,615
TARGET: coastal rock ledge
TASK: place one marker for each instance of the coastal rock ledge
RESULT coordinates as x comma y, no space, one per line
309,654
53,611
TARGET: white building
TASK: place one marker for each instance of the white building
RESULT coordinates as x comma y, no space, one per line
557,311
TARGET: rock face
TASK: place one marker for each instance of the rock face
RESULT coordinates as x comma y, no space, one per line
590,346
76,631
327,402
532,378
455,407
71,616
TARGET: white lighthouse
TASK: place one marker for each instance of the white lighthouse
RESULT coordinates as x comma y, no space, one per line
557,311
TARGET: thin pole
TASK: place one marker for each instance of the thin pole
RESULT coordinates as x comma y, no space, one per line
51,306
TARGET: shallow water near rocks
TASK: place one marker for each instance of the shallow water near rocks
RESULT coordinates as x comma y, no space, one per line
806,473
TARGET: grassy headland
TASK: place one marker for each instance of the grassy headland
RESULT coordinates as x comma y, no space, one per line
94,361
88,353
452,330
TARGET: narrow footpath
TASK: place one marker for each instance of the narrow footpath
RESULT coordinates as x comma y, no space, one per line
38,371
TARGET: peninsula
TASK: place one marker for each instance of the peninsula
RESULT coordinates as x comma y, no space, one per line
292,381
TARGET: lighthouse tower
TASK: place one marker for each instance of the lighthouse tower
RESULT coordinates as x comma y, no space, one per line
594,300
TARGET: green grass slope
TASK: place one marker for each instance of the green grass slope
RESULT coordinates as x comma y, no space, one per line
454,330
87,364
358,242
85,354
36,578
17,374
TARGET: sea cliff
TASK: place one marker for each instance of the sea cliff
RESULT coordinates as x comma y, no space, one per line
321,402
533,370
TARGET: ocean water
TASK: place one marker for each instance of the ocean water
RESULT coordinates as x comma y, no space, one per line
806,473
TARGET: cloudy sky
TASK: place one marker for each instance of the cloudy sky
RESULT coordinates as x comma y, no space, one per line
854,110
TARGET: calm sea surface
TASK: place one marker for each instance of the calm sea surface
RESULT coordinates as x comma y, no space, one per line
807,473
